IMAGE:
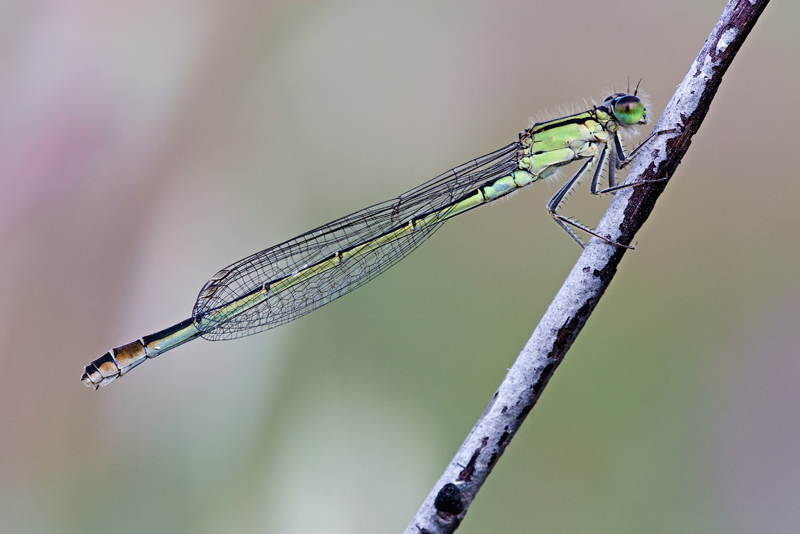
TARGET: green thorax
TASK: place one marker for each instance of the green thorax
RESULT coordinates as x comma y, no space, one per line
548,145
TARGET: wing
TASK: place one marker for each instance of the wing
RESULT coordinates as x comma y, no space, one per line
249,275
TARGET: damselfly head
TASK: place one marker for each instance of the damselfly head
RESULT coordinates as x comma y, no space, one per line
627,109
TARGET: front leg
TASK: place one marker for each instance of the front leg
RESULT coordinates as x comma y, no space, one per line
620,160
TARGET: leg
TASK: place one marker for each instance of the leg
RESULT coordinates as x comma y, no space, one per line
604,158
620,160
558,199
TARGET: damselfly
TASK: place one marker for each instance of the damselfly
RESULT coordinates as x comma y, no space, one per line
291,279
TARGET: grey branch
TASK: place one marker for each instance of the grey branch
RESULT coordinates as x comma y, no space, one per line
448,502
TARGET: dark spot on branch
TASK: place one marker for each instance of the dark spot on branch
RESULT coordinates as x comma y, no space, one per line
448,500
466,474
606,273
503,439
524,413
543,378
566,334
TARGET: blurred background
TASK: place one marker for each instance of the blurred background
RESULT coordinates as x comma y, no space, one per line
145,145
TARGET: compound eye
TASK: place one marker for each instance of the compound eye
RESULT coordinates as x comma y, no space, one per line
630,110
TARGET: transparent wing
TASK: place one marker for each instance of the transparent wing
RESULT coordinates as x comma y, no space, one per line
249,275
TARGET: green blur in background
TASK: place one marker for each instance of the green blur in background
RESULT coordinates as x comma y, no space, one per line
145,145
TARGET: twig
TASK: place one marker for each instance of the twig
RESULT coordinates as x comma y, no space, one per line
450,498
